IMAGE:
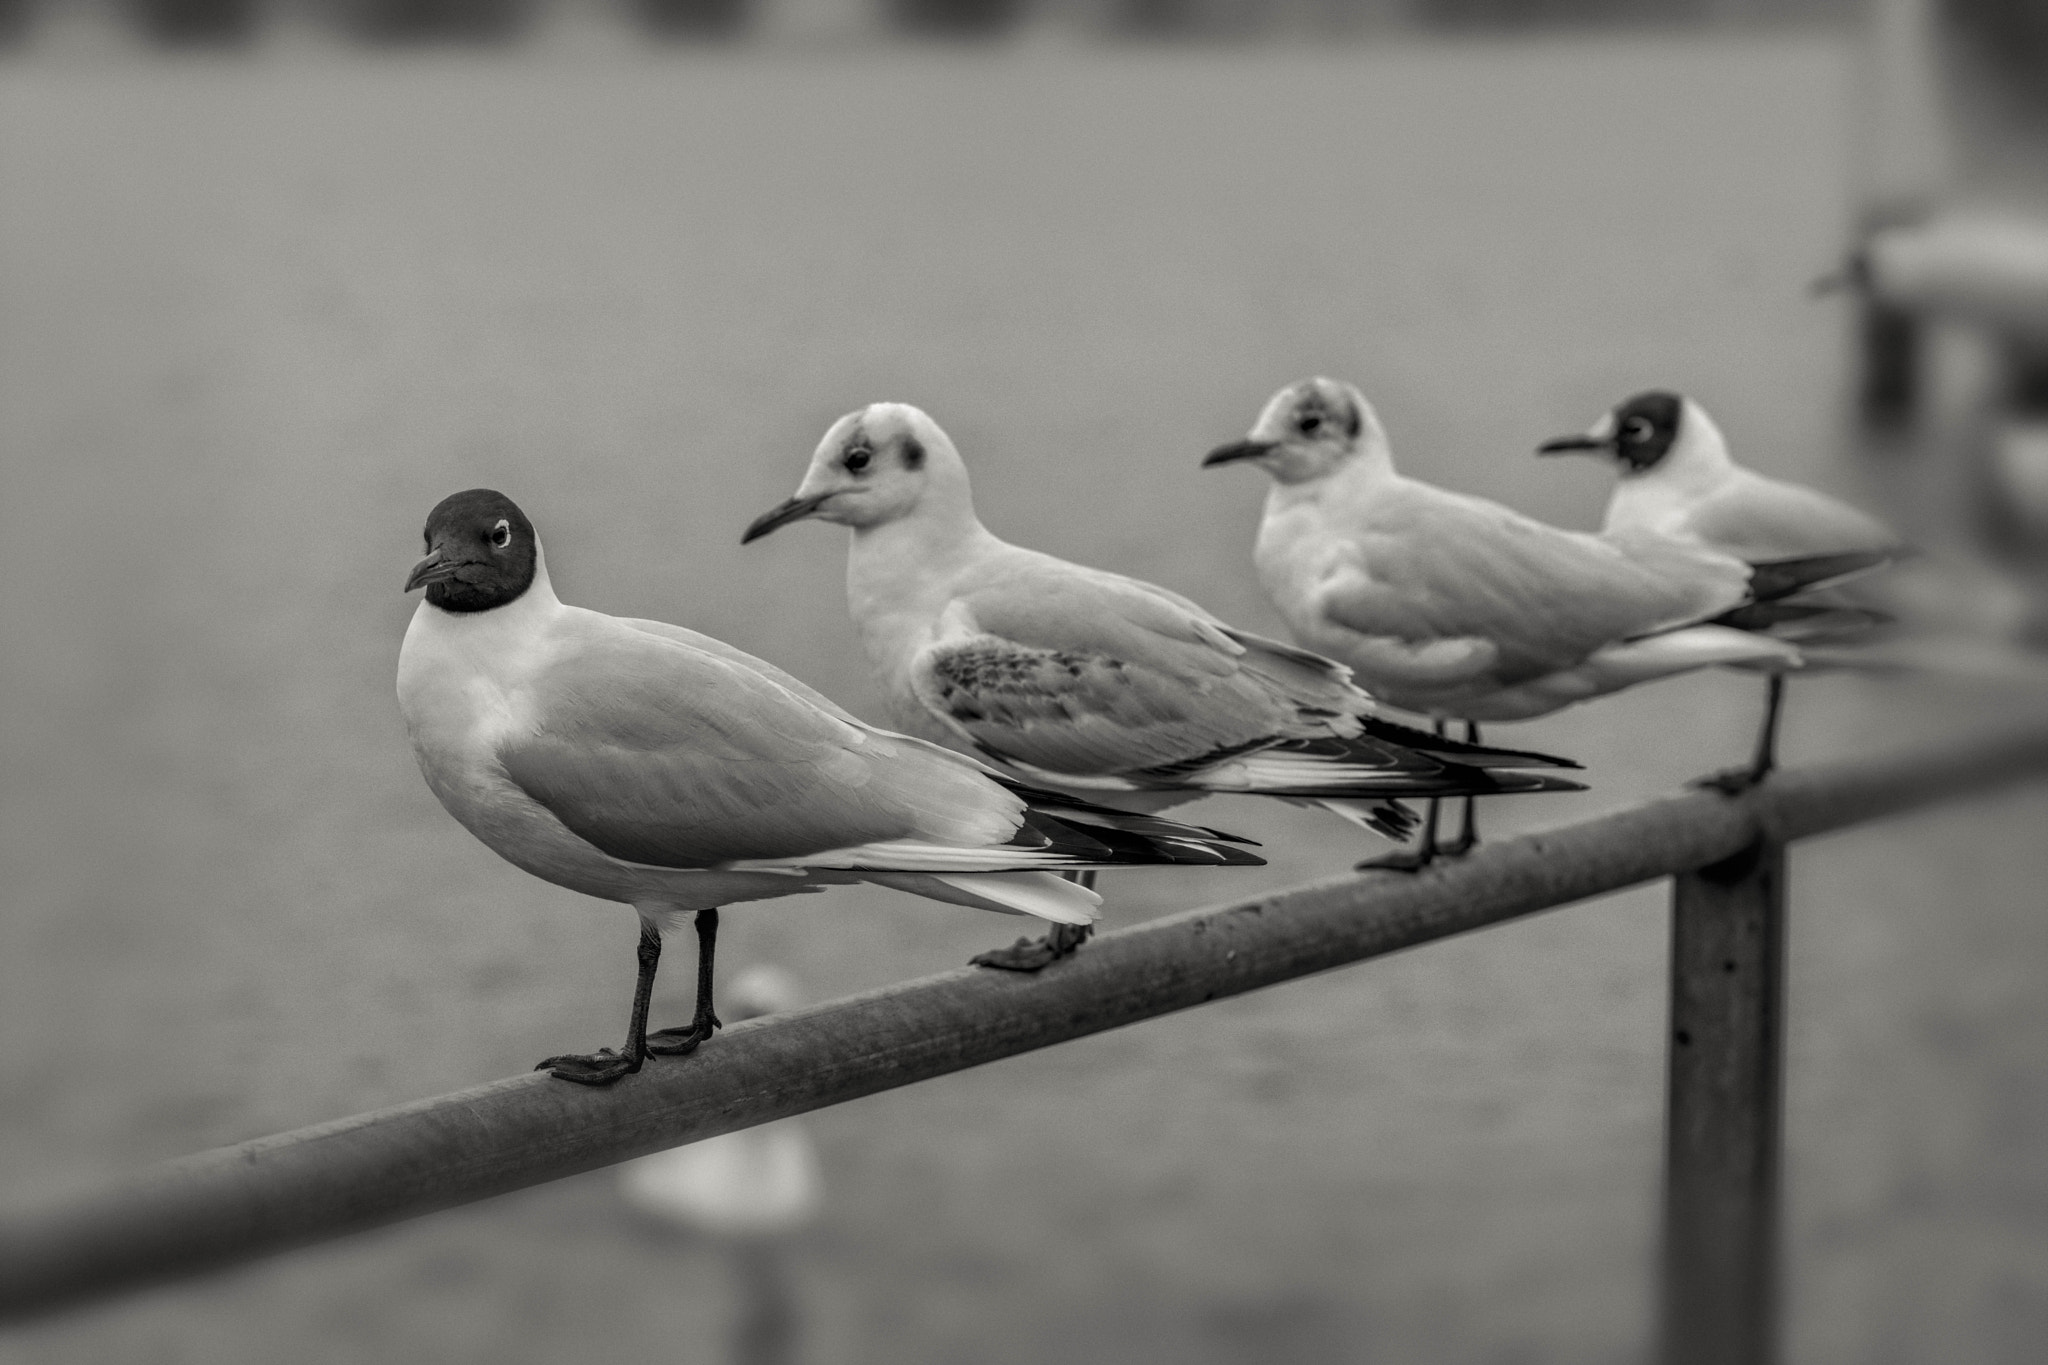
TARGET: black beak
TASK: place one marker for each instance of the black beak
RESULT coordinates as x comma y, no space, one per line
1572,445
1237,450
432,569
782,514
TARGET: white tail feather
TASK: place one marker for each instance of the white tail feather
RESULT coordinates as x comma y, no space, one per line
1367,815
1007,893
1681,651
1278,770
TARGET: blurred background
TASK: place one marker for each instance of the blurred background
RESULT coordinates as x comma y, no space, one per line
276,275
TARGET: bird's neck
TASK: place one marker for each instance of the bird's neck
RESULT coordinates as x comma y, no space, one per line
1355,476
899,578
1660,497
892,561
481,633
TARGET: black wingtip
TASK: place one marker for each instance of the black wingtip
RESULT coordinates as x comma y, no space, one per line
1472,755
1520,784
1771,579
1103,836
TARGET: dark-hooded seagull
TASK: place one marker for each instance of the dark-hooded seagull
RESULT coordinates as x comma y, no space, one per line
1679,480
648,764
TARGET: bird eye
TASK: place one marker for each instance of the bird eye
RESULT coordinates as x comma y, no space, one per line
1636,428
501,534
857,459
1310,424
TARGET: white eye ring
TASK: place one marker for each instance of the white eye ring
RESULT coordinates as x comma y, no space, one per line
501,534
1637,428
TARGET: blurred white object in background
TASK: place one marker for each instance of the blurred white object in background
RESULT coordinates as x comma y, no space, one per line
1987,265
759,1182
2020,464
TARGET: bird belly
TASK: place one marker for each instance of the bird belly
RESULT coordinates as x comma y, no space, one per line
456,717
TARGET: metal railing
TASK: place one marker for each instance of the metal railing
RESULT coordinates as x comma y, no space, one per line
1727,856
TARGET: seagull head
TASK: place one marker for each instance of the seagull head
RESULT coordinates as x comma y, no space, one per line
1306,431
481,552
874,466
1654,430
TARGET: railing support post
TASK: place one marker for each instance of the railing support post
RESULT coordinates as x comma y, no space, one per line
1724,1117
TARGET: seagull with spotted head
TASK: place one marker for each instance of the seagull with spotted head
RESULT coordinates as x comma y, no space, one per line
1091,681
1463,609
1679,479
648,764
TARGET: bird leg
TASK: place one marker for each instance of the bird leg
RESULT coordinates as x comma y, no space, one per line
1030,955
605,1066
1468,825
676,1042
1735,781
1425,850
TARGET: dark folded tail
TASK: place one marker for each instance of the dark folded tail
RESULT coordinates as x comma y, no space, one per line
1084,834
1470,755
1771,579
1361,768
1805,622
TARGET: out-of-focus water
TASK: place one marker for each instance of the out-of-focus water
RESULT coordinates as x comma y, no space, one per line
259,316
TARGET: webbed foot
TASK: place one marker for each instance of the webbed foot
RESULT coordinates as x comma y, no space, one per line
1035,954
680,1042
602,1067
1458,847
1730,781
1409,860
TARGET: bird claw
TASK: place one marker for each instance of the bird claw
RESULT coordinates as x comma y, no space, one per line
1730,781
1035,954
1410,860
602,1067
1025,955
681,1042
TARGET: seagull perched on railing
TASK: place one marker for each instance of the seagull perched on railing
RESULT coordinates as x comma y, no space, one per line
1092,681
1461,608
1679,480
645,763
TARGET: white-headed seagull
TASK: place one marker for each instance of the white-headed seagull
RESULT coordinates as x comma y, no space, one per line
1091,681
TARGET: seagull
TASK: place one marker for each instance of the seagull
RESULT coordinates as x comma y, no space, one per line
645,763
1461,608
1091,681
1678,480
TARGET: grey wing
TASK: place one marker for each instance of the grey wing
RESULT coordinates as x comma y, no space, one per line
1081,672
711,644
1757,518
1509,595
660,754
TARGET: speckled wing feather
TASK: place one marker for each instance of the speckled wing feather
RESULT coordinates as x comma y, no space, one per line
1076,671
